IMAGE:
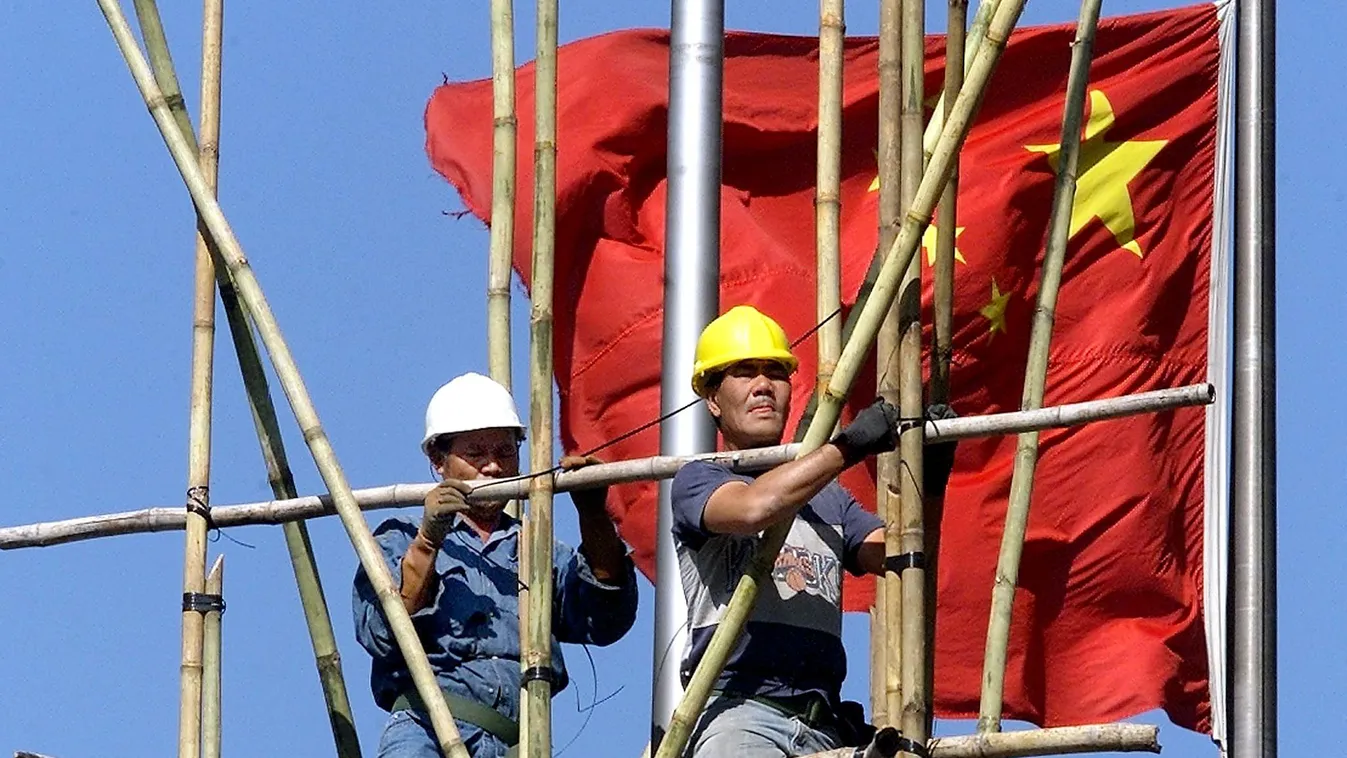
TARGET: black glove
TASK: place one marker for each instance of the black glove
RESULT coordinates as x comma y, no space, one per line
873,431
937,460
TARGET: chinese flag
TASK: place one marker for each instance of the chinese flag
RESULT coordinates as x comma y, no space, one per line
1108,617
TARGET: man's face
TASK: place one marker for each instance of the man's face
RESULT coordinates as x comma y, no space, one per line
482,454
751,403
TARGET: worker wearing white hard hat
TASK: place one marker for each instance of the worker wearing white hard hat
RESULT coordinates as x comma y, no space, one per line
458,573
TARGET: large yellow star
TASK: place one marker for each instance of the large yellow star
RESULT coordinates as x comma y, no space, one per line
928,237
995,310
1106,168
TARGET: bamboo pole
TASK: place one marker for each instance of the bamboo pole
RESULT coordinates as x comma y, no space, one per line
210,661
190,738
976,32
1066,740
1040,336
886,616
319,623
828,194
537,647
288,372
948,214
910,539
164,519
900,254
503,162
943,349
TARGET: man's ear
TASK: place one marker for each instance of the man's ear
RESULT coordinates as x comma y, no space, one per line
713,407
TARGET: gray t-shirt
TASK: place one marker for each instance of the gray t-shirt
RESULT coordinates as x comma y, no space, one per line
792,643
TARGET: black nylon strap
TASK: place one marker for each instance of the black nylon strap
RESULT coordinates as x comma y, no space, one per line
899,563
202,602
540,674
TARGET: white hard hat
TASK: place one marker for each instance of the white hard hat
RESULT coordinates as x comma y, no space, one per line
467,403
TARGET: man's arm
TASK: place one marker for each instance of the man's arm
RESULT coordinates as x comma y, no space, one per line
738,507
743,508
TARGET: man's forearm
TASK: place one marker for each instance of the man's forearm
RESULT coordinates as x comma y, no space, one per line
418,574
600,545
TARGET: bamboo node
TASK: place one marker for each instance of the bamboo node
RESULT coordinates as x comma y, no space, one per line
509,122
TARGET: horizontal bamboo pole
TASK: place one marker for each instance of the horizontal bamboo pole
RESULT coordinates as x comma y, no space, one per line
163,519
1065,740
287,370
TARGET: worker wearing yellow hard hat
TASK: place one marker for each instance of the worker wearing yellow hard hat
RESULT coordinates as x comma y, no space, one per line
779,695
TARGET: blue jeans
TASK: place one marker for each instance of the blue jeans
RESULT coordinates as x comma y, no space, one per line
736,728
408,734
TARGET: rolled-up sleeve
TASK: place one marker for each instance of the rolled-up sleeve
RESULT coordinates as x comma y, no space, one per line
372,630
586,610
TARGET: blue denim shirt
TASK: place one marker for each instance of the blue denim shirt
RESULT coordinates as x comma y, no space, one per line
471,629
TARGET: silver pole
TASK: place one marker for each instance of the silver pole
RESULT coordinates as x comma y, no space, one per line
1253,522
691,299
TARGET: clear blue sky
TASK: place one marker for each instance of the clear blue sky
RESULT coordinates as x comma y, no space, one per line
381,296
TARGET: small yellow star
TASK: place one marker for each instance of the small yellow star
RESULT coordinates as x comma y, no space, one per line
1105,170
928,241
995,310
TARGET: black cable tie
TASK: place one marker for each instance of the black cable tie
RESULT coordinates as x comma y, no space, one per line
540,674
198,502
897,564
202,602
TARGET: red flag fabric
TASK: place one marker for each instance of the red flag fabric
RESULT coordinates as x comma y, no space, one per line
1108,617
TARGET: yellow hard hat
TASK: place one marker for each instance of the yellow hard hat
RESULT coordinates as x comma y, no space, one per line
743,333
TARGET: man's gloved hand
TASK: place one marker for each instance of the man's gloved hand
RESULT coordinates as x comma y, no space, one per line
873,431
587,498
448,497
938,459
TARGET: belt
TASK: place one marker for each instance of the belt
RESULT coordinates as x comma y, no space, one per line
470,711
811,709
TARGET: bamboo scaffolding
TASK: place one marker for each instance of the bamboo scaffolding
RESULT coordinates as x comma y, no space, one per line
317,619
828,194
537,629
886,616
914,223
943,348
210,662
911,590
1067,740
976,33
251,294
163,519
1035,375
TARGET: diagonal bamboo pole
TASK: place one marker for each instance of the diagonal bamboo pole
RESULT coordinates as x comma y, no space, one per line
828,193
986,10
288,372
1040,336
820,429
326,656
910,537
210,662
659,467
886,617
537,643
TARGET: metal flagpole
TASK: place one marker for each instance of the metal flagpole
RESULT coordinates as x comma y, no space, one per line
691,298
1253,523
